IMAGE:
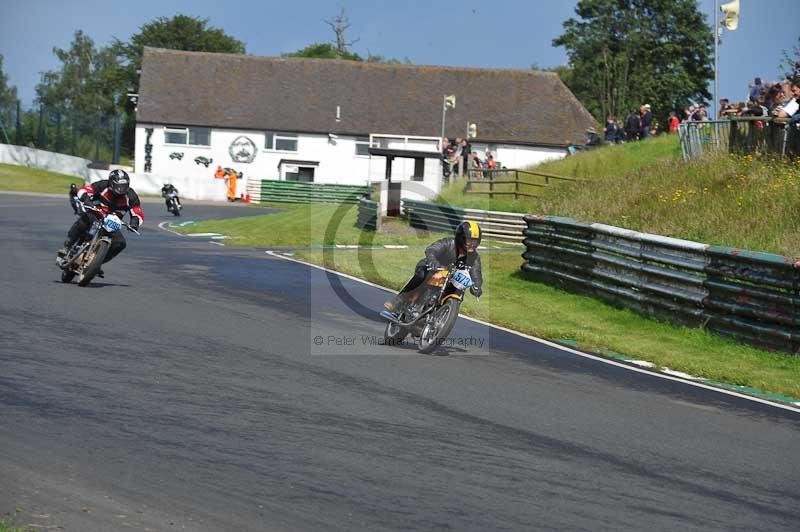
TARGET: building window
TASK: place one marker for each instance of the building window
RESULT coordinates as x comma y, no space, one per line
200,136
280,141
175,136
362,146
193,136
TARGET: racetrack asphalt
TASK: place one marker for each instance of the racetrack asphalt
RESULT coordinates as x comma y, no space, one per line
189,390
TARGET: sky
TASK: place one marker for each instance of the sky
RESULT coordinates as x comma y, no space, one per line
500,33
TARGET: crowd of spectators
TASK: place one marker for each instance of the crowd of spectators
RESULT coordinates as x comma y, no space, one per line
775,99
459,158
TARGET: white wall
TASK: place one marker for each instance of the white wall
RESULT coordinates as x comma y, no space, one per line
47,160
519,157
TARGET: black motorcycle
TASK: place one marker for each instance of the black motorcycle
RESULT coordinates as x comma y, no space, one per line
173,203
86,256
432,314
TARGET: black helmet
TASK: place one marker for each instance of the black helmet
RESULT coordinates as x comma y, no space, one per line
468,236
73,186
119,182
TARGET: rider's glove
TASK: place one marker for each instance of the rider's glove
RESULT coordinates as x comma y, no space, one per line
476,290
87,200
134,222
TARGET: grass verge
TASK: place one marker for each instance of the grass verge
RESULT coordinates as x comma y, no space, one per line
301,226
24,179
7,525
512,301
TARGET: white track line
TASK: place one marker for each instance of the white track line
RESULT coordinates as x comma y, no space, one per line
564,348
162,226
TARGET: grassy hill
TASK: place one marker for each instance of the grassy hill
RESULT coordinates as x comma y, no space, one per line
730,200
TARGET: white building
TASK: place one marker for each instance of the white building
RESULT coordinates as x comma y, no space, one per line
311,119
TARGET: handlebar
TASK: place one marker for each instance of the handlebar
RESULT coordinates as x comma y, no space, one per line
85,207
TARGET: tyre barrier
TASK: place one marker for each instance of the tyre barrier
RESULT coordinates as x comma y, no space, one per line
750,296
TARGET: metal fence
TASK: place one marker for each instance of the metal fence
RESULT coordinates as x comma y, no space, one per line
762,135
496,225
750,296
266,190
369,215
95,136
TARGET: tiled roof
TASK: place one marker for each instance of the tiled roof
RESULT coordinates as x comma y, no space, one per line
296,94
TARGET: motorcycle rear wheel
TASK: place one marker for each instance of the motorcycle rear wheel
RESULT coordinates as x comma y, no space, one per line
444,318
93,262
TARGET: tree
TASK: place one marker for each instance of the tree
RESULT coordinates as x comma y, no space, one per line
790,65
8,100
87,82
181,32
324,51
339,24
623,53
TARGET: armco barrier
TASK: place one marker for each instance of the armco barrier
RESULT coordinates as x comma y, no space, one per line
496,225
368,215
299,192
750,296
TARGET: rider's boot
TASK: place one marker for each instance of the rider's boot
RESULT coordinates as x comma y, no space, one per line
61,253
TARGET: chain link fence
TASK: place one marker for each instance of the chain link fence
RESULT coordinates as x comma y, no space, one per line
97,136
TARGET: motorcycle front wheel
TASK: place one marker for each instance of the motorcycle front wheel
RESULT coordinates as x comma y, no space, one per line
439,326
394,333
93,262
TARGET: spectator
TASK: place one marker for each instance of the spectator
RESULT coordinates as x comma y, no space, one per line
725,108
773,98
592,138
490,162
466,150
476,166
647,120
633,124
673,122
755,89
791,105
610,132
445,157
458,158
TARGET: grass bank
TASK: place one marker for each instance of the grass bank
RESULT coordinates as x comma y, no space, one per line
728,200
24,179
540,310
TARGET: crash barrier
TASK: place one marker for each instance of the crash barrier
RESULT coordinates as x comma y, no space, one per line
772,135
496,225
507,182
368,216
265,190
747,295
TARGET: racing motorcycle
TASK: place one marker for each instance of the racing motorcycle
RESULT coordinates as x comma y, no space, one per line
434,313
86,256
173,203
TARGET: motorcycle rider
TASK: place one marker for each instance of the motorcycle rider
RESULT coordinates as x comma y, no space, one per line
109,195
73,197
168,189
462,247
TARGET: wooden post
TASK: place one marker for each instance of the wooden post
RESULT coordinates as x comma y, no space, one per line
516,185
491,185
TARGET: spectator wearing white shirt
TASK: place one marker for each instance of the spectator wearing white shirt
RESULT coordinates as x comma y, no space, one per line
790,107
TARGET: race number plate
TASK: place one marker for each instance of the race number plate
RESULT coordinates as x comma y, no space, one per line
112,223
461,280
